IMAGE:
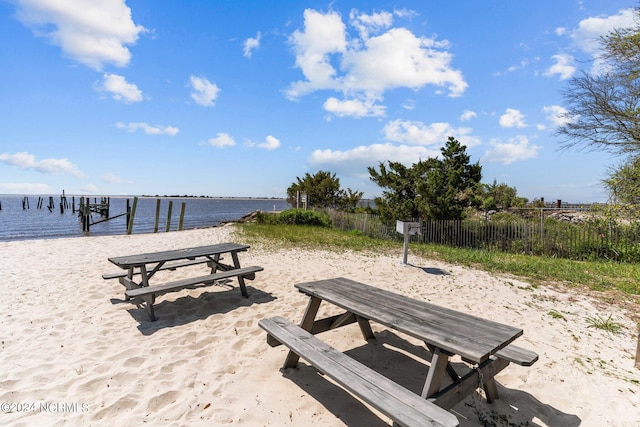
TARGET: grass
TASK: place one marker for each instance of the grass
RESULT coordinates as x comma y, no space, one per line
609,278
309,237
556,315
605,324
596,275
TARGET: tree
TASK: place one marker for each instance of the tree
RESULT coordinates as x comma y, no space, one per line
400,200
349,199
623,183
499,196
448,187
323,191
433,188
603,109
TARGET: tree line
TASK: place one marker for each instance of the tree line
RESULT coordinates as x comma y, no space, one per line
435,188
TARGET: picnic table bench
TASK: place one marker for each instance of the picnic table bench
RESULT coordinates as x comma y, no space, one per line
401,405
486,346
144,266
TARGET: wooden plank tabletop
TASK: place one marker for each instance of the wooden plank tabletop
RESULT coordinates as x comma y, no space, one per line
473,338
128,261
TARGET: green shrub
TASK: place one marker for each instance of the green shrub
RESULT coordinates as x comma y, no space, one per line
266,218
304,217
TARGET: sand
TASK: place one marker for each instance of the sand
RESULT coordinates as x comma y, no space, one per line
72,352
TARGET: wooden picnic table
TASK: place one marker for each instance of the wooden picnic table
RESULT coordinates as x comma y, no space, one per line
140,268
483,344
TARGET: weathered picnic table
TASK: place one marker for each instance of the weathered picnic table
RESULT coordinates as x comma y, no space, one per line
484,345
140,268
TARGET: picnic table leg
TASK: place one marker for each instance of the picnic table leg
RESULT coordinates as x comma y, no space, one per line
149,301
450,371
365,327
214,263
130,277
145,282
307,323
236,264
439,362
489,385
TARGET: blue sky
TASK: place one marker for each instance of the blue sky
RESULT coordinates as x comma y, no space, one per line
238,98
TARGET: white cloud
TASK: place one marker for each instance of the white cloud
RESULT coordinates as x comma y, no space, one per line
24,160
398,58
409,104
523,64
556,114
120,89
354,108
374,23
362,66
512,119
270,144
148,129
110,178
468,115
89,189
514,150
324,34
563,67
24,188
405,13
221,140
418,133
587,35
93,33
354,162
251,44
203,91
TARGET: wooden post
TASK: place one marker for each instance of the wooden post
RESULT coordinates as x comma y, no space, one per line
133,215
155,227
73,204
405,249
86,215
638,349
169,215
182,208
128,212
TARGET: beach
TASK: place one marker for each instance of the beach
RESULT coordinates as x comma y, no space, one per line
73,352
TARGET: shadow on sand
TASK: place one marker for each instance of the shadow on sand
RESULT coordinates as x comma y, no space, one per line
406,364
431,270
188,308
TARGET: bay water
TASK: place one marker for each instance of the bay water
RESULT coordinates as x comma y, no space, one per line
19,222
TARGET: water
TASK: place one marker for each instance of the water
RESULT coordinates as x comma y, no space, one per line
17,223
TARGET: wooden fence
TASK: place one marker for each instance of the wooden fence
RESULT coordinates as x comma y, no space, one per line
586,241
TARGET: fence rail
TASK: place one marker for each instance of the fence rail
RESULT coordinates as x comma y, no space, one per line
586,241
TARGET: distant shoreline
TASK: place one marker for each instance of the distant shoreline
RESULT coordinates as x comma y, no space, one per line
146,196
